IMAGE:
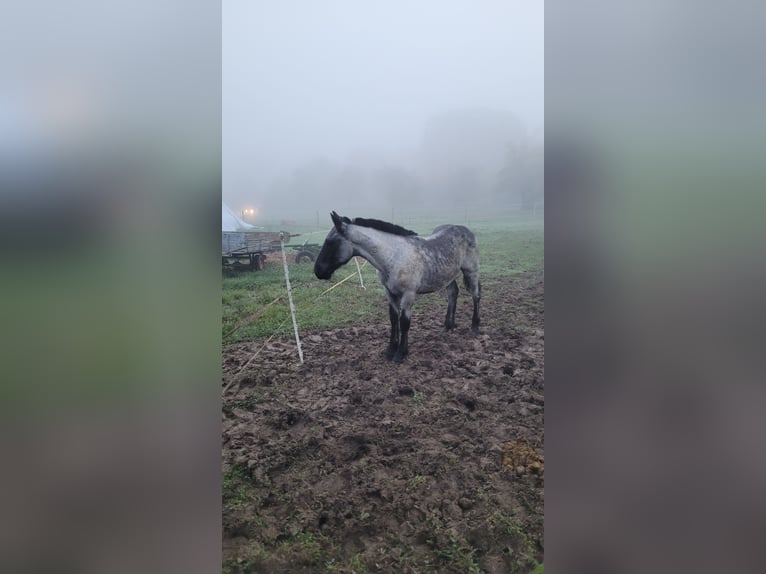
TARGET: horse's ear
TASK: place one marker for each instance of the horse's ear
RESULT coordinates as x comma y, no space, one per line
338,221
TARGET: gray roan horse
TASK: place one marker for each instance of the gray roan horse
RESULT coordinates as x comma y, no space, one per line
407,264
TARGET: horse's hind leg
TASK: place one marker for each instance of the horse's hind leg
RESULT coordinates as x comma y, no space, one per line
472,283
452,291
393,315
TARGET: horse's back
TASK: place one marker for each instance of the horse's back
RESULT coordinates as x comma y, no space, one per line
460,230
453,246
459,235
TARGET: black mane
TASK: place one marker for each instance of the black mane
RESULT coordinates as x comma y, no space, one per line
382,226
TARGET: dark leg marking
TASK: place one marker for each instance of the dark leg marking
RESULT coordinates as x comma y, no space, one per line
476,320
471,280
393,342
452,291
404,326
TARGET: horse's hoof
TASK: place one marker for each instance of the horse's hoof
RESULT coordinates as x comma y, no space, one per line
398,359
475,329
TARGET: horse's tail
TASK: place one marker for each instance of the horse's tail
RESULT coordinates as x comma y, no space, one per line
473,254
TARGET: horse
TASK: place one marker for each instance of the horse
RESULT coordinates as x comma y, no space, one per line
408,265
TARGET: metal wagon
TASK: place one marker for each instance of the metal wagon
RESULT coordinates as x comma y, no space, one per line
248,249
306,252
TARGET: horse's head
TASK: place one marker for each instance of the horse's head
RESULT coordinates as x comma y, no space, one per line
337,249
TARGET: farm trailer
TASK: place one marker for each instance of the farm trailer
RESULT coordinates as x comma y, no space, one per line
248,249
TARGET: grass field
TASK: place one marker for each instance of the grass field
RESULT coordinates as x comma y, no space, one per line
507,247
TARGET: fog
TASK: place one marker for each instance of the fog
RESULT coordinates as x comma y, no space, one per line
370,106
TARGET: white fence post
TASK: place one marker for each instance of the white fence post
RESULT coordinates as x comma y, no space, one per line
290,297
359,270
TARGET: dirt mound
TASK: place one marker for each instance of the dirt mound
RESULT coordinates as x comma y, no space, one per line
352,463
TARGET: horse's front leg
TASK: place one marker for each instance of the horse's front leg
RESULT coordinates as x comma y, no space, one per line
393,342
404,328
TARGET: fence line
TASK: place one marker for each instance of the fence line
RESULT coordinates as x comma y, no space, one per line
250,317
358,270
278,328
263,309
290,297
257,352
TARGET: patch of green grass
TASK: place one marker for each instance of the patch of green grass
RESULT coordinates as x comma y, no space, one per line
507,251
520,548
356,565
418,480
235,487
510,525
306,547
257,554
248,404
347,304
238,566
459,556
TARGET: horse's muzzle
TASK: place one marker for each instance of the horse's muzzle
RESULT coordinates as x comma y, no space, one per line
322,272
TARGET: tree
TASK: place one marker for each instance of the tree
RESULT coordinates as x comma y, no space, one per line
397,185
462,151
521,179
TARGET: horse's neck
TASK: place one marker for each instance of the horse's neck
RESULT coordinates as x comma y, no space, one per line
377,247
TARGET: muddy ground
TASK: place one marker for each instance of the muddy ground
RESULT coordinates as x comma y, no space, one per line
350,463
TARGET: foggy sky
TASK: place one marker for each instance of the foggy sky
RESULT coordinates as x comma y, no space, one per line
338,78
